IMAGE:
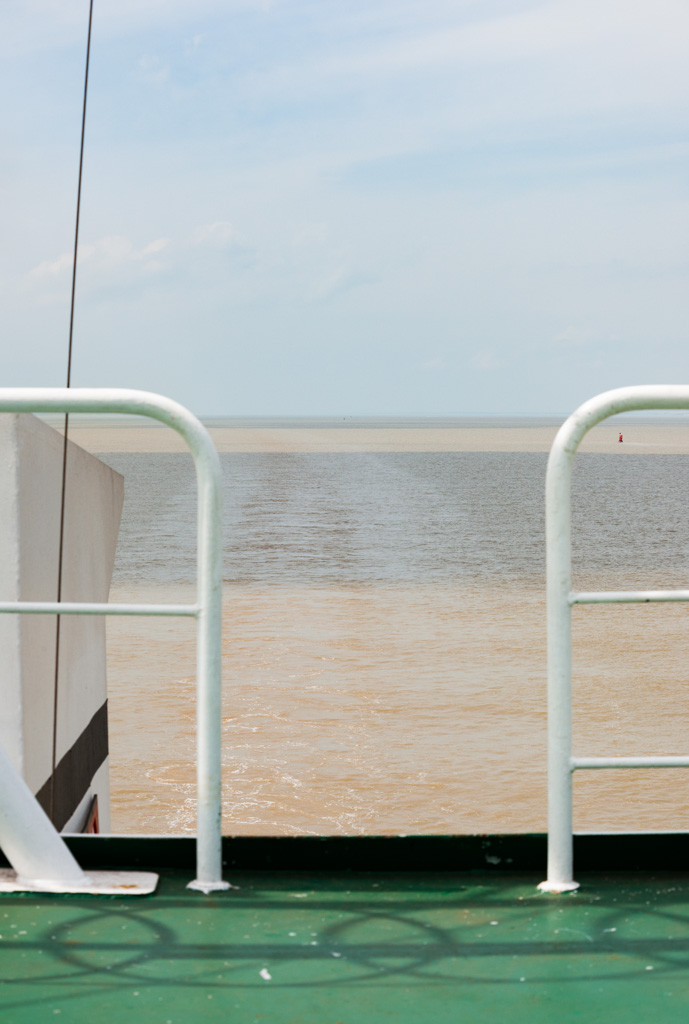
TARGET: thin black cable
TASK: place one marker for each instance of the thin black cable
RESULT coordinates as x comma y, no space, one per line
64,447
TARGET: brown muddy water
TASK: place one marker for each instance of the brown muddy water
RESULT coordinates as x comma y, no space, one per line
384,643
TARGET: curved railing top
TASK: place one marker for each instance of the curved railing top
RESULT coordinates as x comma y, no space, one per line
113,400
560,599
610,403
208,609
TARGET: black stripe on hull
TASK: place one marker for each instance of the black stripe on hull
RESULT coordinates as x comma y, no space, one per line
76,769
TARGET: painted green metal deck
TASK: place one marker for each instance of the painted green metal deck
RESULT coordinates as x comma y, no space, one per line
353,947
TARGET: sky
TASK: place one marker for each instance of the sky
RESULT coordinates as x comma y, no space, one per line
348,207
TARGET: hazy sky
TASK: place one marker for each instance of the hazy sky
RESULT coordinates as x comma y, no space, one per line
351,207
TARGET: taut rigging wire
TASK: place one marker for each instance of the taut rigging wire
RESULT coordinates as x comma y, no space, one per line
64,448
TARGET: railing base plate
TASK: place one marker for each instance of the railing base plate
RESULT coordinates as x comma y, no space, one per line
94,883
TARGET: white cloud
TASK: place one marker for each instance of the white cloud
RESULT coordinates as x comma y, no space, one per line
153,70
435,364
220,235
309,235
43,24
105,254
546,28
575,336
551,59
152,247
486,360
114,258
52,268
343,279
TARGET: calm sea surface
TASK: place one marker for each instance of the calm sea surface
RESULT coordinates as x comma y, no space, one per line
384,642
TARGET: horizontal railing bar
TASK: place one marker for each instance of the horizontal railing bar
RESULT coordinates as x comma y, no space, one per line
629,762
627,596
86,608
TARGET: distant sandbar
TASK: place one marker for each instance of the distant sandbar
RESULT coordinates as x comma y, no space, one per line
639,438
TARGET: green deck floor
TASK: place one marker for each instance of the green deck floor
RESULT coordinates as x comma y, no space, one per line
352,949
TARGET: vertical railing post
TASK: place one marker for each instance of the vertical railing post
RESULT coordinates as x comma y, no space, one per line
559,626
209,689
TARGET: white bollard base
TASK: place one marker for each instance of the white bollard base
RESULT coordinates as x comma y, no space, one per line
206,887
558,886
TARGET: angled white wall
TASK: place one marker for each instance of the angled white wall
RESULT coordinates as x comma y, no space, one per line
30,488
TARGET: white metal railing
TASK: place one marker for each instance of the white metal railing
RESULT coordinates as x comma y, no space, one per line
18,820
561,763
